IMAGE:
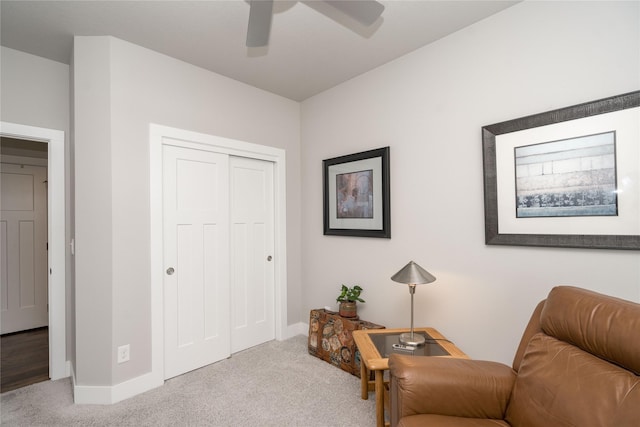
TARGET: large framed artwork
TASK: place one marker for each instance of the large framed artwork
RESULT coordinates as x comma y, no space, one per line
356,194
565,178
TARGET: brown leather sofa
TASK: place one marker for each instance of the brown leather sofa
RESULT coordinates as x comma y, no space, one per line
577,365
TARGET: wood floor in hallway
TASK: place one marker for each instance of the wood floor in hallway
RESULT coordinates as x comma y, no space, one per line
24,358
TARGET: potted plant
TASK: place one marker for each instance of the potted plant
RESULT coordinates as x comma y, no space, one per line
348,299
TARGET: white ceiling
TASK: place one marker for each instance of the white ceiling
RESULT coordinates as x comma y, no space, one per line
312,46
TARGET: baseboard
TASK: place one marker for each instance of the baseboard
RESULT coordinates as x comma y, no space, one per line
108,395
304,329
299,328
96,395
135,386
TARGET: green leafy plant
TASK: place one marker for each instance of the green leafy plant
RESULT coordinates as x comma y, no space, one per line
350,294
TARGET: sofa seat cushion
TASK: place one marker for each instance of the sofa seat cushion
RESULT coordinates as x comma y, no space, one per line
561,385
431,420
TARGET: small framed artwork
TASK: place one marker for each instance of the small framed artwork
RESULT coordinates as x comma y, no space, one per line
356,194
565,178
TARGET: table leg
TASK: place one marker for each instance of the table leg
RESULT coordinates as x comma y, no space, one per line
379,398
364,381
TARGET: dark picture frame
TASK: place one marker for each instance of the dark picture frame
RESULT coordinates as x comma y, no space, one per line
356,194
499,142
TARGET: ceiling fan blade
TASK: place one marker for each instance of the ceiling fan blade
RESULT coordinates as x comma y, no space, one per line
260,14
364,11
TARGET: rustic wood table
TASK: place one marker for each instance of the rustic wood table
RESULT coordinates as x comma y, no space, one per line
376,345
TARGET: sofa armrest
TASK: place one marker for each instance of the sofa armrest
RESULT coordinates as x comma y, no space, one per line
447,386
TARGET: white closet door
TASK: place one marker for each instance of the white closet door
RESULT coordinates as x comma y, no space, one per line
252,249
196,258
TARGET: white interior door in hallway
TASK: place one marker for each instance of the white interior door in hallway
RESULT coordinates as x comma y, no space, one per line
23,250
218,282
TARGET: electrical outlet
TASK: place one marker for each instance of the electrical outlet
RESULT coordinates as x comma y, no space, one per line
123,353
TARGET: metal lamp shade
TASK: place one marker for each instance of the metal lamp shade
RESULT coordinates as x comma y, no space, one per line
412,274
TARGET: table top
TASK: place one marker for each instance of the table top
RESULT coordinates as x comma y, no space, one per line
372,358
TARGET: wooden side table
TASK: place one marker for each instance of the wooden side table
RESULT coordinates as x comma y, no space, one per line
375,346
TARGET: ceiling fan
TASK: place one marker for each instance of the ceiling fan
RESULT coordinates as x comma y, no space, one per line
365,12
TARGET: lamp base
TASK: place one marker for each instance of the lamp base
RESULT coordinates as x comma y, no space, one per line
417,339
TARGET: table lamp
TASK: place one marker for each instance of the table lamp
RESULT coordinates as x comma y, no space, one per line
412,274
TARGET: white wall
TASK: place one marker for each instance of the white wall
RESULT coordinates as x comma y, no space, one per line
35,92
429,107
145,87
93,211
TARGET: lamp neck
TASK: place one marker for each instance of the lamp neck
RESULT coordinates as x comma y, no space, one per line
412,290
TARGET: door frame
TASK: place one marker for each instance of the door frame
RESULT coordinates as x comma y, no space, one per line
56,256
160,135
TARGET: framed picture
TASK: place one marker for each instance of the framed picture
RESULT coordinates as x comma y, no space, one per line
565,178
356,194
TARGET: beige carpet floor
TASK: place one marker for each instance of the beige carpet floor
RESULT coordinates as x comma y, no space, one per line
273,384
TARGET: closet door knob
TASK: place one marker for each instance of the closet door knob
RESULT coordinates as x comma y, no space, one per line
170,271
269,258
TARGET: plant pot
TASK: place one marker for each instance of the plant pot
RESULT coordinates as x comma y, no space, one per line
348,309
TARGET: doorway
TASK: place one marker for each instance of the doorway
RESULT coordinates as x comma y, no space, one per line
56,253
23,231
161,136
23,283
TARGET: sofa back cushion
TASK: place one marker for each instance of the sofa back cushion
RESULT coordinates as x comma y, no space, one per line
605,326
581,370
561,385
